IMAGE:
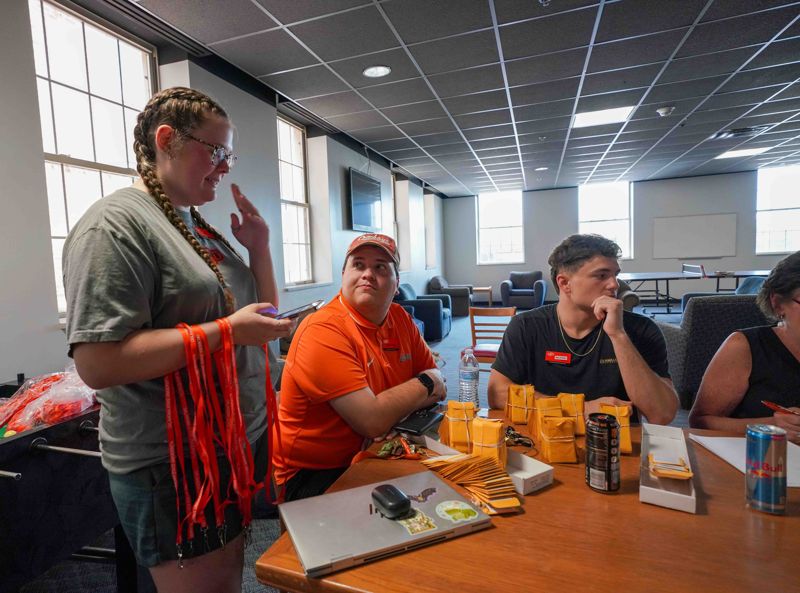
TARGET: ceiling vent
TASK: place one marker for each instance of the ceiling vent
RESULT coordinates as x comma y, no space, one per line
739,132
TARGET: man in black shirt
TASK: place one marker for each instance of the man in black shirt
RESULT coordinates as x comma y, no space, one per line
586,343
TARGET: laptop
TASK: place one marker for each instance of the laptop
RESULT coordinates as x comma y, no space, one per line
343,529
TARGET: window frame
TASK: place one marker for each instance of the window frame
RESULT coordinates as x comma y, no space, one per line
305,205
758,211
629,218
63,160
478,229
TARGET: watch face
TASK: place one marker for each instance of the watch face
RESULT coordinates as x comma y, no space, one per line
427,382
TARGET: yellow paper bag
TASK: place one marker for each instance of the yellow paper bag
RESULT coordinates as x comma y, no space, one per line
520,403
623,416
572,406
459,422
542,407
558,440
488,440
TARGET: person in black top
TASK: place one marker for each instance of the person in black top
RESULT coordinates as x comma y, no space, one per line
757,364
586,343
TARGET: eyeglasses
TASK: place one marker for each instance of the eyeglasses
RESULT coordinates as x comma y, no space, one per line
218,152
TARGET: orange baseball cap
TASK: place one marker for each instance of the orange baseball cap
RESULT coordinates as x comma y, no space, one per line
384,242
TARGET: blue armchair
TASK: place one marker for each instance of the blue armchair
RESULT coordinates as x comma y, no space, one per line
418,322
523,289
434,310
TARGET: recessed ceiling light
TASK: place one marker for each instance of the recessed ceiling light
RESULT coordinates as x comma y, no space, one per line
743,152
602,117
540,169
377,71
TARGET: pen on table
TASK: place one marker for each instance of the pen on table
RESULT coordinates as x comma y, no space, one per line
776,408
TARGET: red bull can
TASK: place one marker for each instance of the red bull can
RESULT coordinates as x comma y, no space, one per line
765,471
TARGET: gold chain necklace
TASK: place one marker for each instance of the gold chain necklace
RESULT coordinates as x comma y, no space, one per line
564,339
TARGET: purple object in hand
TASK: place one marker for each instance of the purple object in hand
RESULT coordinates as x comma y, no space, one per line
271,311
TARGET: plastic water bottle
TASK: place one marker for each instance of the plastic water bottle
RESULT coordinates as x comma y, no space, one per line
468,372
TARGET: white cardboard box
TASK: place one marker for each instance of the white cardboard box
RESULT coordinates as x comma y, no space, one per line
666,443
527,473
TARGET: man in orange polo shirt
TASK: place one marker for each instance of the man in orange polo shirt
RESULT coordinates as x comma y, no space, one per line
355,368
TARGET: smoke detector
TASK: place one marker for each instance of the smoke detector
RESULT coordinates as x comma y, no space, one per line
665,111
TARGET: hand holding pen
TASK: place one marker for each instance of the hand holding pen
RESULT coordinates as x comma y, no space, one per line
787,419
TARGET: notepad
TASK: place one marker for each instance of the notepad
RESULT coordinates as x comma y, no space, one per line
733,450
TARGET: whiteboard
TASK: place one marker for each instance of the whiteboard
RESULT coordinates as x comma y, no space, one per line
704,235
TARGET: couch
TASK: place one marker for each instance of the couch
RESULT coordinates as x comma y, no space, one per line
523,289
460,294
706,322
434,310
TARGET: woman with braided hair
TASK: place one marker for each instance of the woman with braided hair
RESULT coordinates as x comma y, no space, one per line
139,262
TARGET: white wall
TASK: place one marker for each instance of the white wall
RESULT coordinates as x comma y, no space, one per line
551,215
31,340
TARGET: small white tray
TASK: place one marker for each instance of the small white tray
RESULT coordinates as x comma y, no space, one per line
666,443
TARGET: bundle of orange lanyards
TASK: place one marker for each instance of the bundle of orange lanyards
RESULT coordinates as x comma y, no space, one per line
217,425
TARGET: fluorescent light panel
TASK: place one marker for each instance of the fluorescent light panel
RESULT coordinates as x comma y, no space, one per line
602,117
743,152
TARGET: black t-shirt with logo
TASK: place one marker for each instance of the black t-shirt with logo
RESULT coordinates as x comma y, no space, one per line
533,350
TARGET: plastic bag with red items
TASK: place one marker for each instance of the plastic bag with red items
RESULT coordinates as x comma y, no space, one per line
46,399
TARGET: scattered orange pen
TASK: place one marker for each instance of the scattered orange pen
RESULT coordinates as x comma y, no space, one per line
776,408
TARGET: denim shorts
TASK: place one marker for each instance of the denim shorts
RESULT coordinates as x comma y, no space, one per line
145,501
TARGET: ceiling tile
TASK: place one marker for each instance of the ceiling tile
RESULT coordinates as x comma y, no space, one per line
749,97
675,91
357,32
544,92
472,80
713,64
477,102
620,80
484,118
265,53
609,100
454,53
430,126
291,12
337,104
638,17
632,52
543,126
217,20
544,110
306,82
514,10
397,93
388,145
491,132
379,133
352,69
506,142
414,111
436,139
560,31
543,68
456,148
358,121
777,53
421,20
749,29
762,77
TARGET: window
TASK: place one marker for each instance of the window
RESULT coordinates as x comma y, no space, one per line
500,237
605,209
294,203
778,210
91,85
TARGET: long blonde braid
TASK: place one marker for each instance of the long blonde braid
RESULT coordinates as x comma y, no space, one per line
183,109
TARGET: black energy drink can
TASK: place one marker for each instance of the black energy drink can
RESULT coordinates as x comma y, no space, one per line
602,452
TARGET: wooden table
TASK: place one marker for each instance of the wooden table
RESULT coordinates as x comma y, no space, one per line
486,289
571,538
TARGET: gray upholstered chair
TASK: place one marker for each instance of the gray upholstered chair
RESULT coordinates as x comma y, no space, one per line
461,294
628,297
434,310
706,322
523,289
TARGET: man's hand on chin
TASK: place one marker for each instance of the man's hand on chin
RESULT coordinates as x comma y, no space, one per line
609,309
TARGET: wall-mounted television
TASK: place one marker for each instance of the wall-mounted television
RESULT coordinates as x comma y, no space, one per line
365,202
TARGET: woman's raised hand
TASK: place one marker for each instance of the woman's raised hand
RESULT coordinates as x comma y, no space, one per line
251,231
251,328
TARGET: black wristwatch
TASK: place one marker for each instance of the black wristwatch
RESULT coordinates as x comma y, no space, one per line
426,380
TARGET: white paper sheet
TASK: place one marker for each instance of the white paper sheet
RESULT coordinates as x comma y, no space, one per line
732,450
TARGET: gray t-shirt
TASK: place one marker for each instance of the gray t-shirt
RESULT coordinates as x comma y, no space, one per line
126,268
